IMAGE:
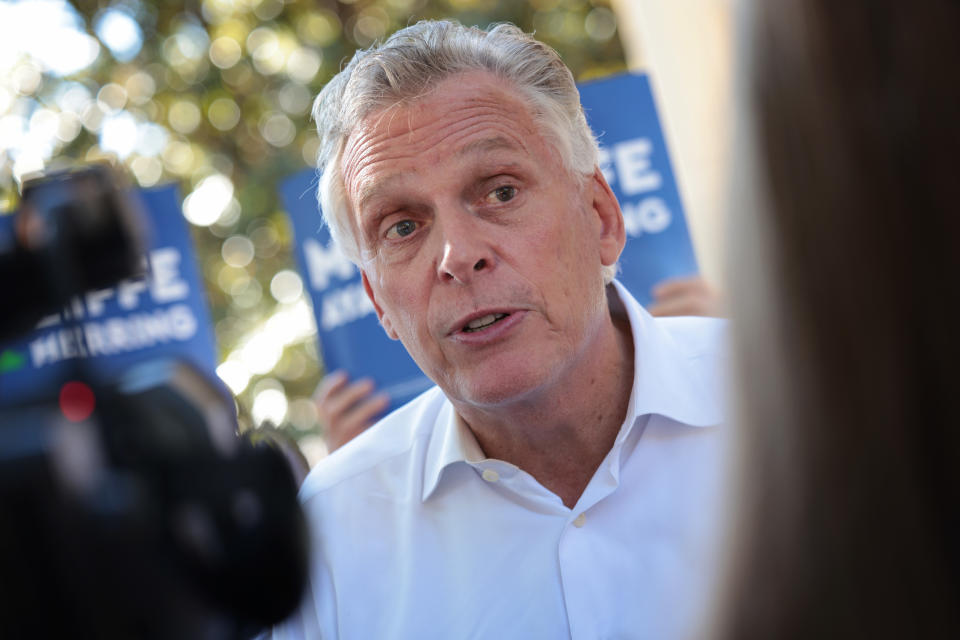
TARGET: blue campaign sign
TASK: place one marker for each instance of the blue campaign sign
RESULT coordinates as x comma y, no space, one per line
164,315
633,156
634,160
350,334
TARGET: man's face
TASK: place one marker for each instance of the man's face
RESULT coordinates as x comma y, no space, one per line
482,254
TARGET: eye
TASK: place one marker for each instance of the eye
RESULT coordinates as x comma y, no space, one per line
402,229
502,194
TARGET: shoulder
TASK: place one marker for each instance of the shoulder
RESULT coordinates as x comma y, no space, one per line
674,336
697,336
700,348
392,442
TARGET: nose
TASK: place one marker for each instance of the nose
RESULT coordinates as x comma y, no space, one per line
467,251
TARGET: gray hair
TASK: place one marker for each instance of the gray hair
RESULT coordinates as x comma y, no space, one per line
416,58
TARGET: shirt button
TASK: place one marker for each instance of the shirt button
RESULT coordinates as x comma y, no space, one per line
490,475
580,521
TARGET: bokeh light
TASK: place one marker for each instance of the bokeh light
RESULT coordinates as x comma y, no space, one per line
50,32
118,134
184,116
237,251
147,171
225,52
119,30
286,286
303,414
277,129
209,200
235,375
140,87
600,24
223,113
111,98
77,401
261,352
269,406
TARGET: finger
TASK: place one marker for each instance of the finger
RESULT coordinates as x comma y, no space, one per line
356,421
340,433
365,412
332,383
679,286
335,405
687,305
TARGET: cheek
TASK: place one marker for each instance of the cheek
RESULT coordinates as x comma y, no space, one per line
406,301
568,244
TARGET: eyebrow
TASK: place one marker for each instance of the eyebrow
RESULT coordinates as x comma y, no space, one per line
372,191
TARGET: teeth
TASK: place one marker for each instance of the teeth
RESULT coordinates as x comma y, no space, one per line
485,321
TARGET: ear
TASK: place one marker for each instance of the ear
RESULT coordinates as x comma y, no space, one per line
613,235
384,318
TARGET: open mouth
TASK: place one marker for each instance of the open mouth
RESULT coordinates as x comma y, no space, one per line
482,323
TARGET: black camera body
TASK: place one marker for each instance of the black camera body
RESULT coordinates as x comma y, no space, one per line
130,507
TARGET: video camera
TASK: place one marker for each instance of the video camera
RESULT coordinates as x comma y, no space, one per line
129,506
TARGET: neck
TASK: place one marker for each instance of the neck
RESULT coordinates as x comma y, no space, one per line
561,434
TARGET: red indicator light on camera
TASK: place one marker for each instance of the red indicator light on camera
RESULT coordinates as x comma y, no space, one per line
76,401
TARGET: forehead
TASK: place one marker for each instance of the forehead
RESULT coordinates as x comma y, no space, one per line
467,113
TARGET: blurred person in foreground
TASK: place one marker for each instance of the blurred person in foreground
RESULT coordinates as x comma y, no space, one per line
346,408
558,480
844,297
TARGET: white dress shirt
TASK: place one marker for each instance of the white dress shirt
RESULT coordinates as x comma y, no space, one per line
417,535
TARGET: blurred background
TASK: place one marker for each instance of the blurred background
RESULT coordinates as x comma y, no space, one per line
215,95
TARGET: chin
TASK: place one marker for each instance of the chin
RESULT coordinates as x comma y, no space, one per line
492,389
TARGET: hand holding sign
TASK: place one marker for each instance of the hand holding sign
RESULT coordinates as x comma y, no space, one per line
347,408
686,297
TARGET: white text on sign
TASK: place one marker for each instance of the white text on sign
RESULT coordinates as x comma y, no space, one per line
163,282
627,164
134,329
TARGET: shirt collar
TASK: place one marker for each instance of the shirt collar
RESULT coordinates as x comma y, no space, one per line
450,441
670,378
667,381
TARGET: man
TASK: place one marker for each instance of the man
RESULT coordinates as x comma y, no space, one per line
557,481
346,408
